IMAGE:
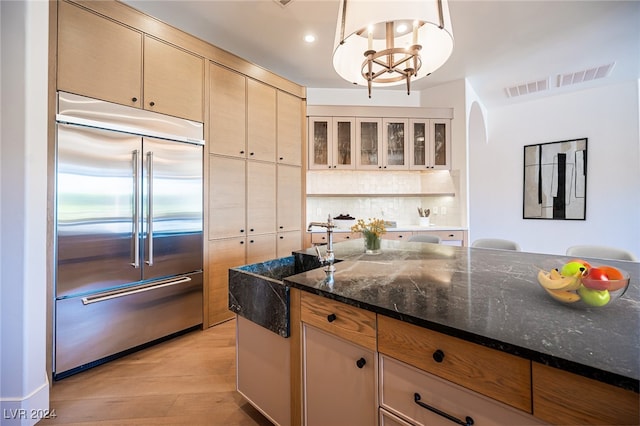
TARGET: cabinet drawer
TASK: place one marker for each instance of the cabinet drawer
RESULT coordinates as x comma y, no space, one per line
399,236
400,383
449,235
564,398
348,322
321,237
493,373
388,419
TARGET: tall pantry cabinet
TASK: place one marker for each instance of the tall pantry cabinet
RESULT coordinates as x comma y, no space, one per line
255,177
254,123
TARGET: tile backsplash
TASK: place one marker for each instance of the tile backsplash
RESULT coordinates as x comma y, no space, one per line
366,195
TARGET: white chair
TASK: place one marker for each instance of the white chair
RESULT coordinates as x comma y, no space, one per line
495,243
424,238
600,252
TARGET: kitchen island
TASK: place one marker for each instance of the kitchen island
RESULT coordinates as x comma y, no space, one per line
490,298
472,323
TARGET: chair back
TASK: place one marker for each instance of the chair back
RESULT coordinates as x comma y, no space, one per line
496,243
601,252
425,238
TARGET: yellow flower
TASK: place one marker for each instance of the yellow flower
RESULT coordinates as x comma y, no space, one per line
374,226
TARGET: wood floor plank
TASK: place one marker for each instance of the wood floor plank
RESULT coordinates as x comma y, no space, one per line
189,380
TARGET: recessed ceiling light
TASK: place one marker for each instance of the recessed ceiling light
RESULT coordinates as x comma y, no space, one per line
309,38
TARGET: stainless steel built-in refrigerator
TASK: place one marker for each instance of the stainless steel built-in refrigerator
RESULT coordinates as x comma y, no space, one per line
129,236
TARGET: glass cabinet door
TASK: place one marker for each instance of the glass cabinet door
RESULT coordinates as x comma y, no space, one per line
440,135
396,153
430,144
418,144
344,138
319,142
369,138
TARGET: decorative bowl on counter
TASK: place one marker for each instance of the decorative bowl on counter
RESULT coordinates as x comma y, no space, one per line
344,221
579,284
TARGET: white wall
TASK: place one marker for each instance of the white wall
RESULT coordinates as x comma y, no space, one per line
24,387
609,118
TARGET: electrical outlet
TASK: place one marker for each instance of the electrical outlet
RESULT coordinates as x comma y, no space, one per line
443,210
434,210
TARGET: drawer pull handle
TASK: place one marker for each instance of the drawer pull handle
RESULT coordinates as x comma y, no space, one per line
438,356
331,317
361,362
468,420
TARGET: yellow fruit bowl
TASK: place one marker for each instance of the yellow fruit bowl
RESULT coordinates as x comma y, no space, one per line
584,287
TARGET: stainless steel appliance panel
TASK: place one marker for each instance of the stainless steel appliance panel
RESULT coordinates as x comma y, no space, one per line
96,187
94,327
172,208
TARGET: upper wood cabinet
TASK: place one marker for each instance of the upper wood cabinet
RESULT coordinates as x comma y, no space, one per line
102,59
261,121
289,129
98,57
227,112
173,80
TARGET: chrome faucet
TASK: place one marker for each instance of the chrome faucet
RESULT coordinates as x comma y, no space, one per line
328,259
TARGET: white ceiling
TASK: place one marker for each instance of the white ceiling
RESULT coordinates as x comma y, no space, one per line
498,44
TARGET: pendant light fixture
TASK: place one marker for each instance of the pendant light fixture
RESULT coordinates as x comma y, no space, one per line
386,43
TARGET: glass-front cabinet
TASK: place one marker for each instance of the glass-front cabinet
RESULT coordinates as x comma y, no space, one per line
369,143
331,143
394,137
430,144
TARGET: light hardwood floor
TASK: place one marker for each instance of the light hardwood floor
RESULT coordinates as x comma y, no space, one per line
189,380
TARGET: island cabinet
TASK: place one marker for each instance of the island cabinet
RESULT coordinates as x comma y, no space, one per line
560,397
339,363
102,59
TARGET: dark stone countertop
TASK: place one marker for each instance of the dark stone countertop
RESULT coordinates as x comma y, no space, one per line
489,297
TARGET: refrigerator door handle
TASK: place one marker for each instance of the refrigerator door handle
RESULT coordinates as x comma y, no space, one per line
136,211
150,206
129,291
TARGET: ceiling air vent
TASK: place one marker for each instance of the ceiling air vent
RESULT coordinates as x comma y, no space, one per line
283,3
528,88
585,75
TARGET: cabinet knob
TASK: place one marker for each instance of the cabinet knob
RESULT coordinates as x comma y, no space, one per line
347,237
361,362
331,317
241,242
251,229
281,227
281,237
399,236
281,158
251,153
438,356
251,241
134,99
241,152
152,103
242,230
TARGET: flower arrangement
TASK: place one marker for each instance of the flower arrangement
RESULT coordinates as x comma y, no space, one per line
371,232
374,226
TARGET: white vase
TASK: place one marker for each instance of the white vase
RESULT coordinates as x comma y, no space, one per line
425,221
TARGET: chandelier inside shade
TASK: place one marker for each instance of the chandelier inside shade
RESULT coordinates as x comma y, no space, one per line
386,43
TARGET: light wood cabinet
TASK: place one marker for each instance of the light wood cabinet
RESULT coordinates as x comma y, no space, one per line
492,373
227,195
332,143
560,397
289,188
227,112
261,121
173,80
397,235
223,254
321,237
98,57
430,144
289,129
421,398
395,147
288,242
260,248
102,59
261,197
369,143
339,380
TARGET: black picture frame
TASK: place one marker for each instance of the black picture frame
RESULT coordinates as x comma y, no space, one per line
555,180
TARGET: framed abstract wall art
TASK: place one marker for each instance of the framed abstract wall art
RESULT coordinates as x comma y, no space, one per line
555,180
